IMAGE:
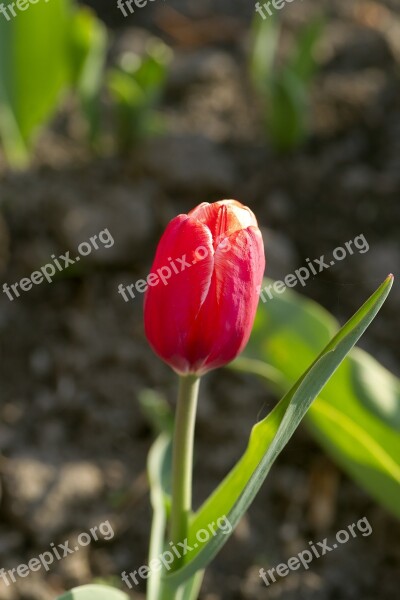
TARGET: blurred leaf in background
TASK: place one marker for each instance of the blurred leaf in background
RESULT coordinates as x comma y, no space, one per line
55,47
33,72
284,89
94,592
44,51
135,86
87,61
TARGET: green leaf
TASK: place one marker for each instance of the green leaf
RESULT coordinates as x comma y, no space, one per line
264,47
284,84
190,590
152,70
87,60
33,73
94,592
125,90
235,494
357,415
287,110
302,63
135,87
157,411
159,471
377,389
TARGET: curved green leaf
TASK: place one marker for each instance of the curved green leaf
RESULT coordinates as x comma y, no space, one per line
357,415
235,494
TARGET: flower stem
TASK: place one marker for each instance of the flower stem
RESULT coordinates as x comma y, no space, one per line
182,459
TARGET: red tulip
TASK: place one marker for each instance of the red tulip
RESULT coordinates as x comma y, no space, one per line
204,287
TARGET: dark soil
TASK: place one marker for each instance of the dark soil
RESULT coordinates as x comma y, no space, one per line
74,358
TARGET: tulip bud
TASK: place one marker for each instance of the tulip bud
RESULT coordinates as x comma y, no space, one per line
204,287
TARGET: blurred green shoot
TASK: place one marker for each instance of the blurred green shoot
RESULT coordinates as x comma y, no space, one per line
44,52
57,47
284,88
135,86
33,74
156,410
88,54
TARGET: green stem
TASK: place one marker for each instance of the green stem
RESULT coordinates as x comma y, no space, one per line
182,459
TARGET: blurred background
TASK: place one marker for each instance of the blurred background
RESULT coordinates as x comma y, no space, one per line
122,122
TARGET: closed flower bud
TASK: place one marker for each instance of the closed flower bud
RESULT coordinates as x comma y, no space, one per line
204,287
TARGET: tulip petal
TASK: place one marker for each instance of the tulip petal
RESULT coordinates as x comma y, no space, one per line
185,253
224,323
224,218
